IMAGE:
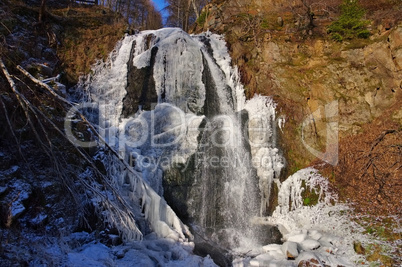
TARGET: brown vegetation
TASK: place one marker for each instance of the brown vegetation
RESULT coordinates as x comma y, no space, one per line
89,34
368,178
369,172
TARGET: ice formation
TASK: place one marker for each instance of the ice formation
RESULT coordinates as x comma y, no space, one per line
194,83
262,138
201,109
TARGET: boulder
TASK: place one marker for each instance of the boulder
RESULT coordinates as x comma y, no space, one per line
290,250
217,254
297,238
314,234
310,244
268,234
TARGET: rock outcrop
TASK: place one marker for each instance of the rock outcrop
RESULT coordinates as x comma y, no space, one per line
279,54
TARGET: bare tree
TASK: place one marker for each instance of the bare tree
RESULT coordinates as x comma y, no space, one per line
305,11
42,11
140,14
309,13
183,13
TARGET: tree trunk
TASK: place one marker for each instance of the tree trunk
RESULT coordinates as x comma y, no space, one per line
42,11
197,13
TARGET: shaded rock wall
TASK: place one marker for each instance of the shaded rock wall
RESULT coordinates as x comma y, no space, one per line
140,86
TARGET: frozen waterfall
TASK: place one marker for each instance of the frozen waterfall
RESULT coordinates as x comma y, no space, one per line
172,105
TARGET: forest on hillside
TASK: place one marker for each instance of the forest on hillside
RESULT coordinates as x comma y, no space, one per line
141,14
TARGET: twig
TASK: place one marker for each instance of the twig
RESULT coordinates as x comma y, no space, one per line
24,103
369,154
6,27
380,138
8,77
44,85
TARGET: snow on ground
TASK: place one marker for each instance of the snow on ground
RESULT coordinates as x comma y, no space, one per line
318,234
150,252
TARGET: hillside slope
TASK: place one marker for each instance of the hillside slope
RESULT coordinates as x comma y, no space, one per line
43,197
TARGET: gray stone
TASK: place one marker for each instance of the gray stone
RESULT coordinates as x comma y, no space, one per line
268,234
140,86
290,249
217,254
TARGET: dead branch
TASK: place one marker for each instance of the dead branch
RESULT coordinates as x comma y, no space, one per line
24,103
380,138
7,75
375,143
6,27
44,85
28,108
51,91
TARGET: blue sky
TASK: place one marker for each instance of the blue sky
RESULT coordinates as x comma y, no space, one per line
160,4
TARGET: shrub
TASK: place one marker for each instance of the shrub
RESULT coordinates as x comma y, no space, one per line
350,23
264,24
201,19
336,37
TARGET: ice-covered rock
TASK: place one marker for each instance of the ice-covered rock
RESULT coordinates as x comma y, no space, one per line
297,238
290,192
314,234
262,138
261,260
12,203
277,254
272,247
135,258
328,240
152,251
310,244
217,254
290,249
91,255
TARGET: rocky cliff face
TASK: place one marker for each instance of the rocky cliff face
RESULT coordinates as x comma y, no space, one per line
281,52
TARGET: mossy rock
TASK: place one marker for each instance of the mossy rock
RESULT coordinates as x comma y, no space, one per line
310,196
